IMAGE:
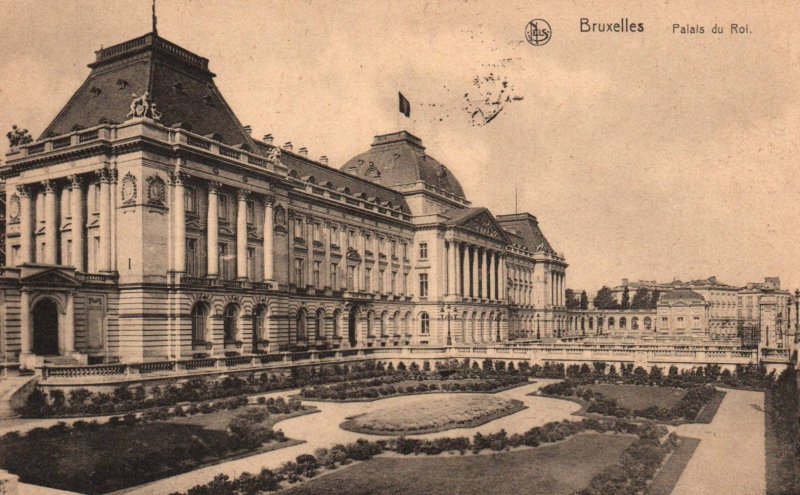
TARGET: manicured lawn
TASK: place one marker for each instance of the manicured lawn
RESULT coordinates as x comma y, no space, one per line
419,414
636,397
555,469
668,476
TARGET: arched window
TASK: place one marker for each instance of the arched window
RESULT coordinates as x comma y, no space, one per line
336,316
259,317
383,324
424,323
635,323
396,323
611,323
199,322
407,324
648,323
319,324
623,323
370,317
301,325
231,323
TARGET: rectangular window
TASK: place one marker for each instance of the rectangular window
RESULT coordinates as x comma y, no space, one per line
191,257
317,229
334,276
394,283
189,202
67,254
317,268
393,247
423,285
96,198
381,277
423,250
405,284
367,279
251,212
226,262
298,272
251,263
222,207
351,278
405,251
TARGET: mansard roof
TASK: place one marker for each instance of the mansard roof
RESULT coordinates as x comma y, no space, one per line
340,181
177,80
398,159
526,226
681,295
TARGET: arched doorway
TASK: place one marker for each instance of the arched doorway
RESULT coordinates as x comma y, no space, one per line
45,328
352,321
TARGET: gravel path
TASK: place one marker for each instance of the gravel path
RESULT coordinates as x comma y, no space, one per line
730,459
322,430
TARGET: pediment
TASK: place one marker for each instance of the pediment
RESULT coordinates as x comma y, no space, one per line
52,277
484,223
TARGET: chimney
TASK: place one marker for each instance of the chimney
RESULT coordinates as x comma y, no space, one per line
303,151
288,146
323,159
267,138
248,129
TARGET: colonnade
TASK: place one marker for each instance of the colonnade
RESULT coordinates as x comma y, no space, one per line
474,271
557,280
52,191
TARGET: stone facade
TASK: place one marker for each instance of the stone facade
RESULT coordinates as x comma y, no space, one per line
157,228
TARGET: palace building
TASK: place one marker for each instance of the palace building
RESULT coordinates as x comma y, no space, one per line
146,223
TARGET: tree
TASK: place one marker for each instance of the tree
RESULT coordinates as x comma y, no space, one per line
641,299
584,304
626,299
571,300
605,299
654,299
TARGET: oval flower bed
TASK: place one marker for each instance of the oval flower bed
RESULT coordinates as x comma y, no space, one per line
426,414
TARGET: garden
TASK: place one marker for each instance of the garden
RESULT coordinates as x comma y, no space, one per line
94,458
422,414
590,457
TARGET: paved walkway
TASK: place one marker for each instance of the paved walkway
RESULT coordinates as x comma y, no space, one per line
730,459
322,430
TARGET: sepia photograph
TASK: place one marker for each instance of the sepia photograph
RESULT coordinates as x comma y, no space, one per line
317,247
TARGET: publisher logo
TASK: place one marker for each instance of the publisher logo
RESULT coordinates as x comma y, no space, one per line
538,32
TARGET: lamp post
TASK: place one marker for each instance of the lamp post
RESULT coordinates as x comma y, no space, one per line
445,313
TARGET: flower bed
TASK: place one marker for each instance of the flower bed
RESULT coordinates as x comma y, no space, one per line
94,458
687,408
425,415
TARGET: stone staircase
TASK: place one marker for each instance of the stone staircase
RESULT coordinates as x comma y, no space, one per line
13,392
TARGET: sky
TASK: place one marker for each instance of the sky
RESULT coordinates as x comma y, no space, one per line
654,155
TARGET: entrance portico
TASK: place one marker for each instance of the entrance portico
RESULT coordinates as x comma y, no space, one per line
47,313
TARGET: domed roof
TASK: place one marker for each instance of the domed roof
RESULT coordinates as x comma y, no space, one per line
399,158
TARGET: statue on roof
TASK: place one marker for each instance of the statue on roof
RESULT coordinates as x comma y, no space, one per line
274,155
18,136
141,106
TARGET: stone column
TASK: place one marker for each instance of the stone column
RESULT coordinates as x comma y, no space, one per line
310,251
503,278
269,236
344,245
212,230
452,272
25,225
362,240
464,270
241,234
179,223
69,325
104,257
485,262
476,269
496,277
76,211
25,322
325,272
50,222
112,208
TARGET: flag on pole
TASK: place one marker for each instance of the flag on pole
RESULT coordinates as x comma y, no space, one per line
405,106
